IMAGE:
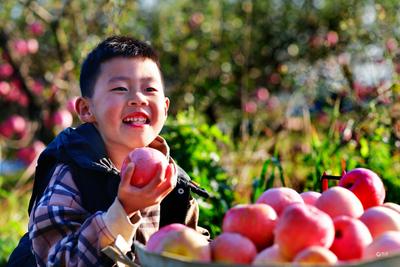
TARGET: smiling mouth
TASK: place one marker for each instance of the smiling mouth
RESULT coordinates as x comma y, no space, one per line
136,120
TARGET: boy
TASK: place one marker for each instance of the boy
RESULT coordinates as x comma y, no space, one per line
80,204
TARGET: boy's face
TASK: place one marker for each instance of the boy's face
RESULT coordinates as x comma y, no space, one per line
128,104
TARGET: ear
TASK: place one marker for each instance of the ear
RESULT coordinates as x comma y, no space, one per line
166,106
82,107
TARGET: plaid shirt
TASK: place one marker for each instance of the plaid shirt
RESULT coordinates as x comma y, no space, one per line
63,233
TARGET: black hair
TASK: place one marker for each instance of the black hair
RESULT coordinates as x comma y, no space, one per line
112,47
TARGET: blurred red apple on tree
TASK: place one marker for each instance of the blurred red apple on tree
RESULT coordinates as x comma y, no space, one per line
146,160
62,118
15,125
20,47
6,70
30,153
366,185
36,28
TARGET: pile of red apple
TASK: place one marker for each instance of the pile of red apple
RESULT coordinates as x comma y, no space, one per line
346,223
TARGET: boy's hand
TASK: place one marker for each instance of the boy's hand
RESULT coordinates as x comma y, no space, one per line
134,198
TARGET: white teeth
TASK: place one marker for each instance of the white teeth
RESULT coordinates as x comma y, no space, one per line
141,120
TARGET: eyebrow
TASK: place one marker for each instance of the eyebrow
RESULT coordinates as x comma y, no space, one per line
125,78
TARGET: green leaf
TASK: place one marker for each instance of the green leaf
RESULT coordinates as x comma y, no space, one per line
364,149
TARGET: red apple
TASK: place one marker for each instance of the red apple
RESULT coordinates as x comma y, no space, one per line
14,125
62,118
33,45
392,205
268,256
154,242
20,47
4,88
36,28
338,201
310,197
351,238
232,248
314,255
6,70
279,198
301,226
146,160
366,185
255,221
381,219
71,104
332,38
180,242
385,245
30,153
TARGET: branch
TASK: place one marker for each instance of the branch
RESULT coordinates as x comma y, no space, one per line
39,11
54,23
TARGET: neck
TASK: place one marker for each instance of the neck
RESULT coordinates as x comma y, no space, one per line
117,158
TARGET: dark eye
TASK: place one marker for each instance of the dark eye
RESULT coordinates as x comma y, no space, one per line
119,89
150,89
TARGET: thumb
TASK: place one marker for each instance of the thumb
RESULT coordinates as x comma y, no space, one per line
127,174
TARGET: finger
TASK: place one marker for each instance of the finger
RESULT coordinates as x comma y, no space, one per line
126,176
171,174
165,187
169,183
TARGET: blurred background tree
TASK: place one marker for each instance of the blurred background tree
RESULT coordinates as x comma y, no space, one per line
313,85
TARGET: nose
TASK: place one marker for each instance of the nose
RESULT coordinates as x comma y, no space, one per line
137,99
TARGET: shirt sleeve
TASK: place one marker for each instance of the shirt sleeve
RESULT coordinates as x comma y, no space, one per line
63,233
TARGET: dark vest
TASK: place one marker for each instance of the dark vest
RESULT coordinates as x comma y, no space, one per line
97,180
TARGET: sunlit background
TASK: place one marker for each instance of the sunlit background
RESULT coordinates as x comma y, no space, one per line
263,93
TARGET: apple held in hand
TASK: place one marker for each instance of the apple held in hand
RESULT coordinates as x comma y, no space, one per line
146,160
366,185
180,241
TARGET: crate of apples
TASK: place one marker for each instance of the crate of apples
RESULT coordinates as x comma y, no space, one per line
348,225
